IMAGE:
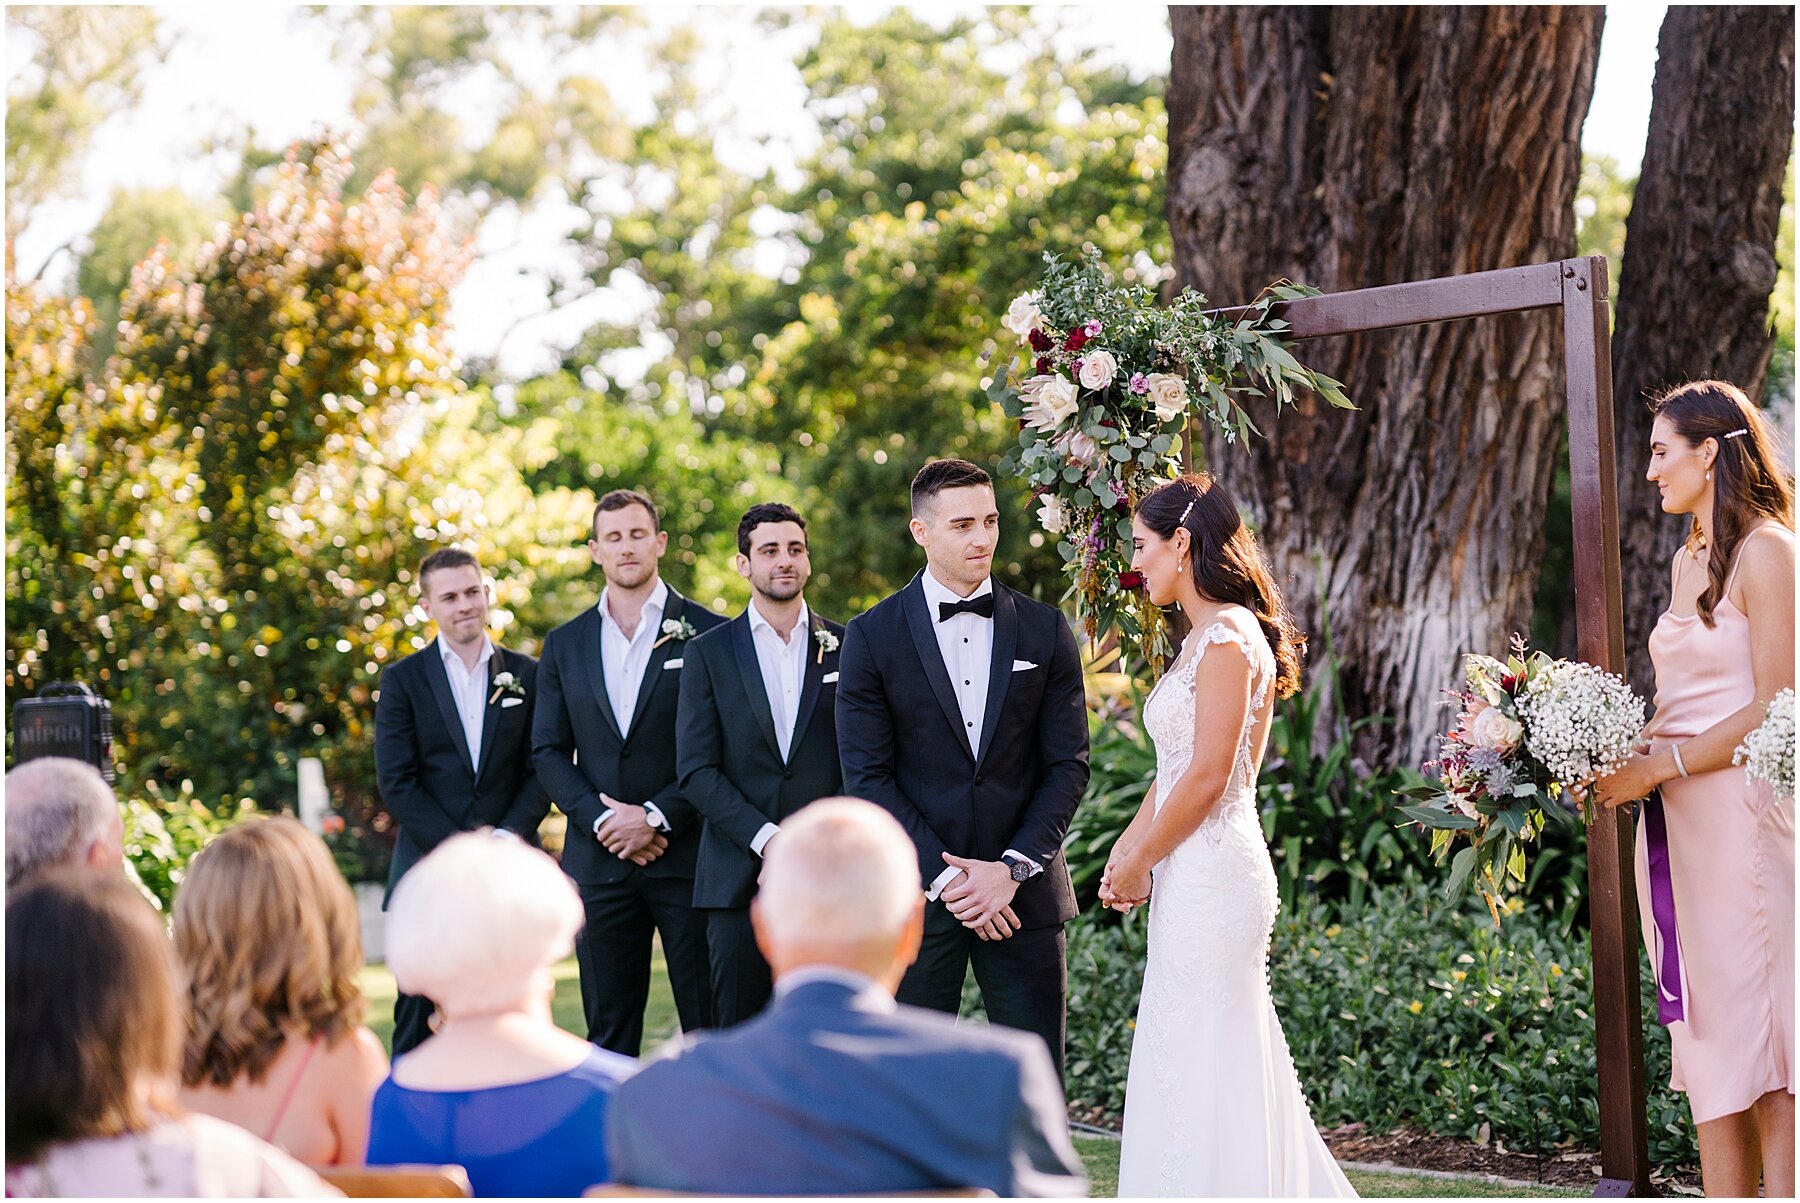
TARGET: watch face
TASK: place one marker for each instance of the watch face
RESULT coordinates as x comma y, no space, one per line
1020,870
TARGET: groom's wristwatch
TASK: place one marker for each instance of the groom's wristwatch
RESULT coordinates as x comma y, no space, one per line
1018,866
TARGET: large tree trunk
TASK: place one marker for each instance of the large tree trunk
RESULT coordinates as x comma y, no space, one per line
1699,261
1348,148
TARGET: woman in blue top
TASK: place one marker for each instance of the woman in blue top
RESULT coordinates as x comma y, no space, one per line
499,1089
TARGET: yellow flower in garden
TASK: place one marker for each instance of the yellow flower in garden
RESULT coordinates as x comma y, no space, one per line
1457,975
1416,1006
1514,905
1131,1024
1555,969
1332,932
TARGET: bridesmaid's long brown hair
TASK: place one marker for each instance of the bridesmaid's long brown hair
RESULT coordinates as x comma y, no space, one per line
1228,563
1749,483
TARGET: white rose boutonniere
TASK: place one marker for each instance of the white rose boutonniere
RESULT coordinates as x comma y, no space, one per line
674,628
827,643
505,683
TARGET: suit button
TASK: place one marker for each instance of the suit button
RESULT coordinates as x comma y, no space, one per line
977,780
625,754
787,774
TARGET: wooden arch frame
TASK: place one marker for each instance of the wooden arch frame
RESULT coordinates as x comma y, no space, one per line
1578,287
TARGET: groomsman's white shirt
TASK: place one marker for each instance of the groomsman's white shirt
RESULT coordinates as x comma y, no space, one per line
469,687
624,659
967,643
783,664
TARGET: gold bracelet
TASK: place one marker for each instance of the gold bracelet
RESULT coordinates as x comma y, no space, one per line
1675,751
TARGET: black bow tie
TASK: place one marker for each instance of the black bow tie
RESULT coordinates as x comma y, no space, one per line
982,606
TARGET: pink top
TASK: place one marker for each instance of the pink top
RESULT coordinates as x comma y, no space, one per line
1702,673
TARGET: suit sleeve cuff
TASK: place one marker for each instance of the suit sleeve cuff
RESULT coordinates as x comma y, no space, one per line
763,837
942,882
654,816
1029,863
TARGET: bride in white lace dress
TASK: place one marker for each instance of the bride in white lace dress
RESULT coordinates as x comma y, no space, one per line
1212,1105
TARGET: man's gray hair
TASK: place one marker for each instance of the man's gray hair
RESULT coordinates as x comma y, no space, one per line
842,872
56,807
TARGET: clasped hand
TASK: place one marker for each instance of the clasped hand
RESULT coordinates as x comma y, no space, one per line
982,897
1123,884
627,836
1633,780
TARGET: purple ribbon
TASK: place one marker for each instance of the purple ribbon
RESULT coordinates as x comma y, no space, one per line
1666,957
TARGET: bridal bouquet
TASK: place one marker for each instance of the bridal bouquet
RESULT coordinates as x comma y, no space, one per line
1101,383
1767,753
1529,729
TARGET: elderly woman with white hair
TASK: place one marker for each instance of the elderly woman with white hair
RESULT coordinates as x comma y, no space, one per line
499,1089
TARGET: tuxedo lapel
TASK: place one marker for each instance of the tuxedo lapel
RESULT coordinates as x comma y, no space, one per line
743,650
659,656
924,637
490,710
595,658
1006,639
812,679
440,689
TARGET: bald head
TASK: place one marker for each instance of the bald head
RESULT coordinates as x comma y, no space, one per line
60,812
840,886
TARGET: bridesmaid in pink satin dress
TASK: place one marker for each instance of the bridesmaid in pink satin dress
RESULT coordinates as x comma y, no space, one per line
1716,850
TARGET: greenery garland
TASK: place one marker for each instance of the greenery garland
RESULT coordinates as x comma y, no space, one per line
1101,385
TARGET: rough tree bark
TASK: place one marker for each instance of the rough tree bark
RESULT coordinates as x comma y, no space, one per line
1348,148
1699,260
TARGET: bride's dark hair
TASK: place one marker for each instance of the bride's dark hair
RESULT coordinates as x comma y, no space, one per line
1227,562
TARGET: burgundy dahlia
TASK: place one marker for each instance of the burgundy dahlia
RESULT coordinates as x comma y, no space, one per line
1131,578
1040,341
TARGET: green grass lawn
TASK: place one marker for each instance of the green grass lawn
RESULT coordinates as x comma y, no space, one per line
1099,1154
1101,1157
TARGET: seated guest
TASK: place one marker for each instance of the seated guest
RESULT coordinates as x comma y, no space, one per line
93,1037
267,931
835,1089
60,812
499,1089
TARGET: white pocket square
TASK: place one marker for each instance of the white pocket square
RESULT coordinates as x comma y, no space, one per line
1020,666
511,702
675,663
828,678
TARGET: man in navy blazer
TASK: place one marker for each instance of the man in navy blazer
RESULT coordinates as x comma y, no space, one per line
836,1089
603,741
756,741
960,711
453,738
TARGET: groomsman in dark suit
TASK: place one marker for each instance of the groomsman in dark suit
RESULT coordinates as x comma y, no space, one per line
603,740
453,738
960,709
757,741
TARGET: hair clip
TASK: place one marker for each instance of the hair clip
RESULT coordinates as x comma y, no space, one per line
1182,521
1740,430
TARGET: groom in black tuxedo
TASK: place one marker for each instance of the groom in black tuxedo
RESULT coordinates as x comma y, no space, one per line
757,741
453,739
603,740
960,709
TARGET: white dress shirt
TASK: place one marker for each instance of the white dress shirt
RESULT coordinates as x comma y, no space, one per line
783,664
469,687
967,643
624,659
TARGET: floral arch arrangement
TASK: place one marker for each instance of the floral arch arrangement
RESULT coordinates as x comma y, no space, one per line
1102,383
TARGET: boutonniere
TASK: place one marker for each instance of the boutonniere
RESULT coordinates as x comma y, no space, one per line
505,683
674,628
827,643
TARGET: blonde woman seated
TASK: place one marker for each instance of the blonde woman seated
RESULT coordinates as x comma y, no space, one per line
267,930
499,1089
93,1038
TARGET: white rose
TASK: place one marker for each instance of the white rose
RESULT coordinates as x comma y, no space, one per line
1052,516
1465,804
1023,314
1494,730
1168,394
1098,369
1080,448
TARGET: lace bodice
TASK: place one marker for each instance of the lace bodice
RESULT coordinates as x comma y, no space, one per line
1169,716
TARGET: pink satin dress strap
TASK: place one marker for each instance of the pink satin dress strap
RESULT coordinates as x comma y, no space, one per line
1730,862
293,1086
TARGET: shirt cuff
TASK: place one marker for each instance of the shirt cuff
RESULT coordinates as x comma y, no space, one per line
1029,863
508,833
654,817
605,814
943,881
763,837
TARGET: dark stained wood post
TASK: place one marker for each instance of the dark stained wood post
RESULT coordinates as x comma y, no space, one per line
1578,287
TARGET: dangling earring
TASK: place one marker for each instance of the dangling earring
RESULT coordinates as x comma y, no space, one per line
1709,474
